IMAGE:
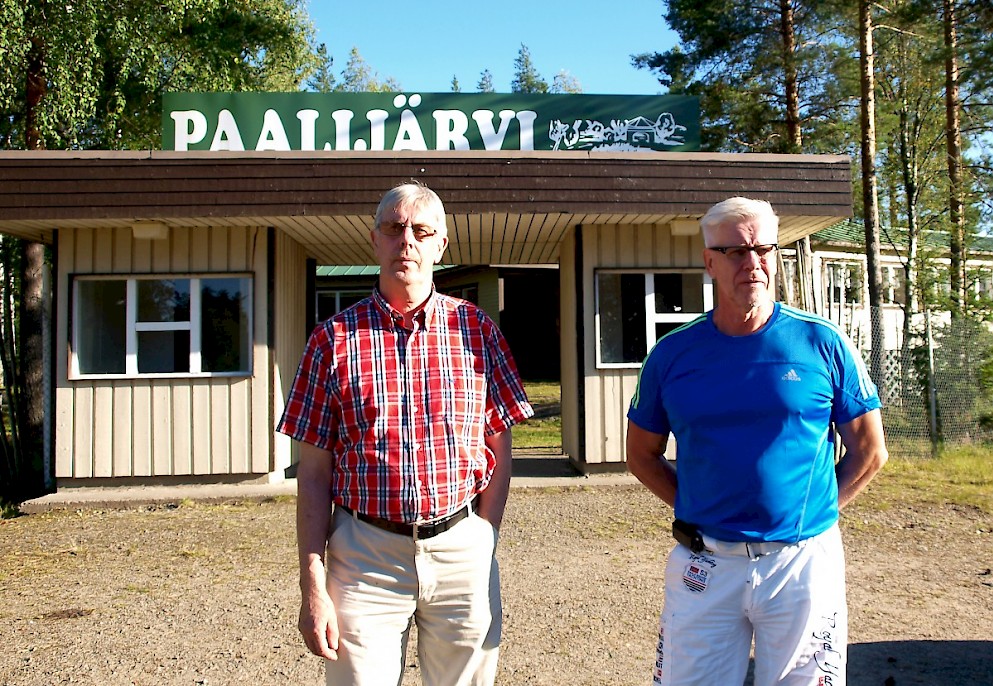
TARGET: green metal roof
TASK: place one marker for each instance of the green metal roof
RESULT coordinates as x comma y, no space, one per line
853,232
363,270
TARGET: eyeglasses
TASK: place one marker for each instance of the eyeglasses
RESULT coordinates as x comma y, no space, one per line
421,231
739,252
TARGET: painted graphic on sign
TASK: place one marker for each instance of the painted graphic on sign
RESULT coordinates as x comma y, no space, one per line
430,121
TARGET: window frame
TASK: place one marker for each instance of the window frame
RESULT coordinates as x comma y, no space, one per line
134,327
652,317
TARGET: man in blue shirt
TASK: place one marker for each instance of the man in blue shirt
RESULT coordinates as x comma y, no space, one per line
752,392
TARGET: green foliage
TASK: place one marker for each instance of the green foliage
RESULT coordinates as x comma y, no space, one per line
322,80
526,76
962,377
564,82
456,86
485,84
99,69
359,77
732,56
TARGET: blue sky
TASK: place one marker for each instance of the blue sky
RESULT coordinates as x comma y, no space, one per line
424,44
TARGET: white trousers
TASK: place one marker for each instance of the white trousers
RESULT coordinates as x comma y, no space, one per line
448,585
792,602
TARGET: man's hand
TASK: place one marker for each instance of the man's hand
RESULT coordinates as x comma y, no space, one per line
319,625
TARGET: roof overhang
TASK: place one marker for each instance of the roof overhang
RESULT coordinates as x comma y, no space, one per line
503,207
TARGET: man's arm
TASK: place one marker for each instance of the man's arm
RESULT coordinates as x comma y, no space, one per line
318,622
645,461
493,500
865,454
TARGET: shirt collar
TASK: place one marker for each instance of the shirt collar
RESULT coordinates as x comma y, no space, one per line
424,316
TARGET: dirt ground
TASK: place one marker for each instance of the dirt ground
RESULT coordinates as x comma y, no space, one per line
207,594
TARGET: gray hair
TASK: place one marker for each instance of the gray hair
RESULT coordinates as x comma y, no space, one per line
735,210
414,196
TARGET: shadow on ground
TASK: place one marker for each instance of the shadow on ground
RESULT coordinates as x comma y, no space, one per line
918,663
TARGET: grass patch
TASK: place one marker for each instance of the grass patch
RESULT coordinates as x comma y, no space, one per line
543,392
544,432
545,429
958,476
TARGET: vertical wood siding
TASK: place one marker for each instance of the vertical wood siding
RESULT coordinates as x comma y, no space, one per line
608,391
163,427
291,331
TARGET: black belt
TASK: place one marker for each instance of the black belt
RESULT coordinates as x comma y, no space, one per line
418,531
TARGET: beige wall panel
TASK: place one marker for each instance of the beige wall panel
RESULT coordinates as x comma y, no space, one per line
179,241
240,433
103,250
162,428
290,331
646,241
121,445
239,257
141,419
141,255
82,255
260,419
201,429
569,361
220,256
199,257
64,433
161,255
82,435
62,451
123,251
182,418
103,430
220,434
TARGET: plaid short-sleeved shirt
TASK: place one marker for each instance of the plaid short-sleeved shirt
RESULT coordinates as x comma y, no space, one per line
404,412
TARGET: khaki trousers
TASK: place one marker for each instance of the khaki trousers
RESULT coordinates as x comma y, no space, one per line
382,583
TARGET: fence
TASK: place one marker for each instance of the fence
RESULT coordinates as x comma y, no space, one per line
936,384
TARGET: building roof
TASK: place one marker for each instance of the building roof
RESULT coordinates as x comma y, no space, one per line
851,232
503,207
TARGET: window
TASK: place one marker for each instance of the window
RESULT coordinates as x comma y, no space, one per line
894,278
330,303
634,309
842,284
468,292
161,325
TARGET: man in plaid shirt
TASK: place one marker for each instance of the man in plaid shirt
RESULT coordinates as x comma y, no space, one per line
403,406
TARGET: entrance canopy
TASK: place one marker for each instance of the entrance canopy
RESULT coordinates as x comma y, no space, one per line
503,207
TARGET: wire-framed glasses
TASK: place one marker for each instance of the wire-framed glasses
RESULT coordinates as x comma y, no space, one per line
739,252
421,231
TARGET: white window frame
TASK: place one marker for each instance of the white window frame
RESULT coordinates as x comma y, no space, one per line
134,327
652,318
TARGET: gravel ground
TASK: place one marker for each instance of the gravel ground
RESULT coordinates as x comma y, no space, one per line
207,594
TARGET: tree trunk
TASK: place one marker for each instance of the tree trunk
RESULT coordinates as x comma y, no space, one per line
790,82
870,192
953,139
30,376
32,379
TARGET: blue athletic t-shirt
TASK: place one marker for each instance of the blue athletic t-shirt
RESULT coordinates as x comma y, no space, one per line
751,418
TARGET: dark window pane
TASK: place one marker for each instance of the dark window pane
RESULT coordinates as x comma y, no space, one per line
163,300
101,326
163,352
678,293
621,299
225,340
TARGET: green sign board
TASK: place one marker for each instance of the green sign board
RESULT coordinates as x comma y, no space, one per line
428,121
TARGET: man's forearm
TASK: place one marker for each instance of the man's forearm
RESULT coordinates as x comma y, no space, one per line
493,501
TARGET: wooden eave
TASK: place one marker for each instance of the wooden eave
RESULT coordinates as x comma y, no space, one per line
504,207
